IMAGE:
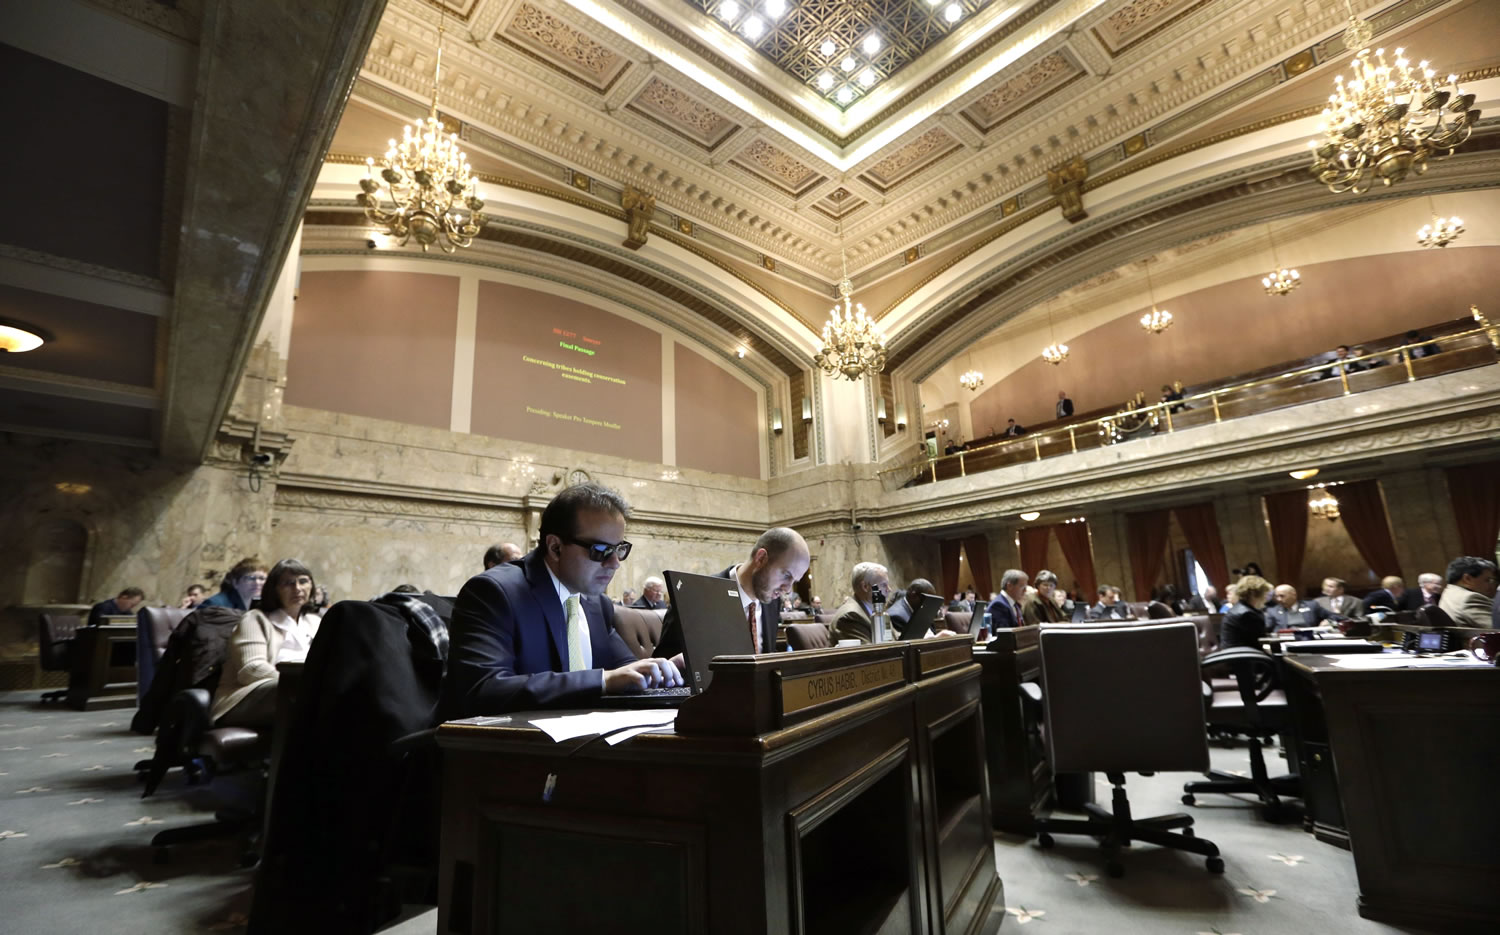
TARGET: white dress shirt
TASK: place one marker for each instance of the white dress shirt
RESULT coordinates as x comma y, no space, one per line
296,635
747,597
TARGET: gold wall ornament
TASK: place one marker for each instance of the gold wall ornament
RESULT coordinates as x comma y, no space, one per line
425,189
639,207
852,343
1066,185
1388,119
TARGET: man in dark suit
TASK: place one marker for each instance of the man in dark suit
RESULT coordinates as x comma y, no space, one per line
1287,612
653,595
536,633
1064,405
1110,607
778,561
1392,595
120,605
1012,430
1005,609
901,611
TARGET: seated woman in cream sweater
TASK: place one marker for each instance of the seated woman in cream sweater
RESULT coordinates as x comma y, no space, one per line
281,630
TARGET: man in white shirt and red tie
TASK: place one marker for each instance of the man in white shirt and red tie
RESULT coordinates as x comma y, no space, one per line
778,560
535,633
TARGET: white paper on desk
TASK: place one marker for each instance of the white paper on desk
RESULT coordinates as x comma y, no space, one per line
1403,661
624,735
569,726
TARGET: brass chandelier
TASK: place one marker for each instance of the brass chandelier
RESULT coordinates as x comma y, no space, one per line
971,379
1280,280
1158,319
852,343
431,192
1053,353
1324,505
1441,232
1388,119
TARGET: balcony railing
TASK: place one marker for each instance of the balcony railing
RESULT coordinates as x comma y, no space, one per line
1464,350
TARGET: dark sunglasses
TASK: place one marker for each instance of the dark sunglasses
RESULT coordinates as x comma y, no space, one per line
601,551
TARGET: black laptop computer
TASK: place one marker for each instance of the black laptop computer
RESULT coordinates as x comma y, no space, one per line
922,617
713,624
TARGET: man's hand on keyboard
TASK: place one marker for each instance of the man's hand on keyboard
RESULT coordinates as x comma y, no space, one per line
641,675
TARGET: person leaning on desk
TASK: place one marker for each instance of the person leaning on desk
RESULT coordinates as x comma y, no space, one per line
535,633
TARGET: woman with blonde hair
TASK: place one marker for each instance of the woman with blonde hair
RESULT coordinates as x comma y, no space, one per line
280,630
1245,623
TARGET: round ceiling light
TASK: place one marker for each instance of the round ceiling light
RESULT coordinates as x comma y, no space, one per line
1304,474
18,338
1028,517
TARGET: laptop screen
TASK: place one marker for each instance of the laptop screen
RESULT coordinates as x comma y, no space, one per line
712,620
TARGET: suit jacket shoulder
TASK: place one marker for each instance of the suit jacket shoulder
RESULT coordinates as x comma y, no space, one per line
852,623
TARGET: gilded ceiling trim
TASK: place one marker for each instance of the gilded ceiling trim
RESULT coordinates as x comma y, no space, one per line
1116,52
658,230
691,43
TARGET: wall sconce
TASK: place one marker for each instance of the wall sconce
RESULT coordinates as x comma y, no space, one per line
776,421
806,409
880,411
900,415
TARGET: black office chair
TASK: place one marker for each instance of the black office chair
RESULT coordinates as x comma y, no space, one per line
55,648
1086,670
1256,709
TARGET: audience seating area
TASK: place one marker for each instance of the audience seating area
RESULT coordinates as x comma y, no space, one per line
1292,383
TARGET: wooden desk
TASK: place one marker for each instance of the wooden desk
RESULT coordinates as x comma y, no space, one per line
833,790
1413,751
103,661
1020,777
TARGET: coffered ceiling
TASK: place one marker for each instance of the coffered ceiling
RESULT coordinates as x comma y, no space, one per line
953,137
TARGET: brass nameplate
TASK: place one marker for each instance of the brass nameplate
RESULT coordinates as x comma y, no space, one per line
806,691
944,658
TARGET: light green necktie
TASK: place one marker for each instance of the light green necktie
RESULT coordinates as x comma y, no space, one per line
577,634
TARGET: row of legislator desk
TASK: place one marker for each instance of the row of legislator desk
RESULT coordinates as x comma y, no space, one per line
839,790
1398,759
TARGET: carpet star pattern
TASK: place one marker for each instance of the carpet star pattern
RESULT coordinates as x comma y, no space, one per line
65,862
11,834
148,820
1291,860
85,801
96,766
33,789
52,756
1082,879
1259,896
1024,915
140,887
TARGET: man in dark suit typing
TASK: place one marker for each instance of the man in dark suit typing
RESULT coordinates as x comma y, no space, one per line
1005,610
778,560
535,633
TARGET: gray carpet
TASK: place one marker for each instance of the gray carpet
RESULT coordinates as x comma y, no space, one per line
75,852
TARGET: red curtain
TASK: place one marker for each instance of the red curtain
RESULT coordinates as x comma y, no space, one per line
950,549
1362,509
1073,538
1146,535
1287,512
1034,548
1476,504
977,548
1201,526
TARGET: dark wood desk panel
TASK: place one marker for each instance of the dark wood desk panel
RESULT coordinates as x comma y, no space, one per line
1019,776
818,825
1412,749
103,667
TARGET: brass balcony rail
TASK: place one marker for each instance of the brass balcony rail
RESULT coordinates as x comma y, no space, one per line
1223,402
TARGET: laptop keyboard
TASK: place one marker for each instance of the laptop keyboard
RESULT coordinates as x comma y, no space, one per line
681,691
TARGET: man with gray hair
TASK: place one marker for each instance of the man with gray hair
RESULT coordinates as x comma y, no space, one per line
1431,586
777,561
1005,610
855,619
653,595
